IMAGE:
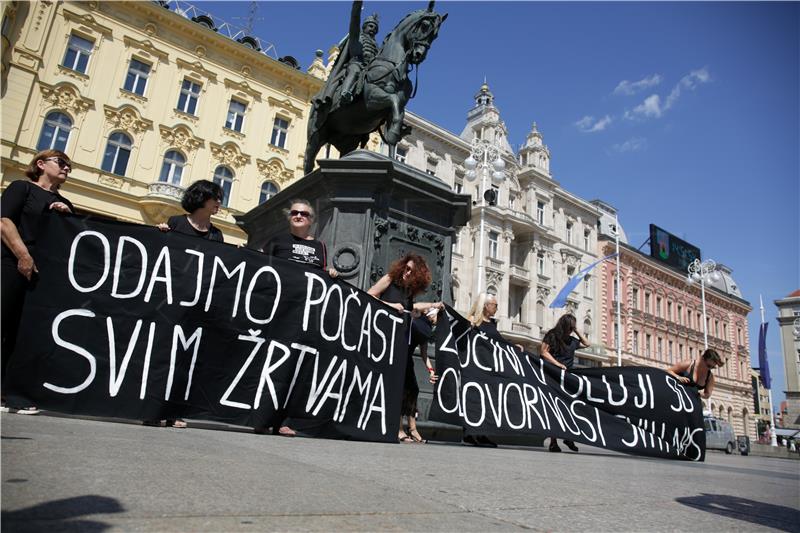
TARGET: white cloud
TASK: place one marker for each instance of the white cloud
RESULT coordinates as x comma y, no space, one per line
653,107
633,87
633,144
589,125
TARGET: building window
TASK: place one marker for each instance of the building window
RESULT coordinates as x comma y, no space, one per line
431,166
658,306
569,232
457,244
691,352
172,168
458,186
689,317
493,244
540,263
118,151
79,50
669,351
635,342
669,310
635,298
187,101
540,213
680,351
224,178
659,348
646,302
400,154
586,239
680,314
739,335
55,132
587,286
615,288
235,116
647,340
279,130
716,328
136,80
268,190
511,200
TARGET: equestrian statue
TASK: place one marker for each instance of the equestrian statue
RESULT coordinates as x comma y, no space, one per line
368,87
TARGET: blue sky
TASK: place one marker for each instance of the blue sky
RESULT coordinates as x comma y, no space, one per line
685,115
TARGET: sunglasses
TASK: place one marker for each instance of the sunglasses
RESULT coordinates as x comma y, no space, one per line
296,213
62,163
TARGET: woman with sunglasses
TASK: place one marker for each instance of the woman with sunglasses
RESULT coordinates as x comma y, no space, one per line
201,200
697,373
407,277
301,247
23,203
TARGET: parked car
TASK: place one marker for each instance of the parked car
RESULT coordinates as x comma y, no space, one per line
719,435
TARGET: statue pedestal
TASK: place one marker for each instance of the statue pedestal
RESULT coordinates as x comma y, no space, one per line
371,210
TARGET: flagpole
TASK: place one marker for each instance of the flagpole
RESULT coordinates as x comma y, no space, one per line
773,438
617,296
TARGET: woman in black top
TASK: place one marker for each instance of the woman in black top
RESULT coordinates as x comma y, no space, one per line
301,247
23,202
201,200
558,347
697,373
407,277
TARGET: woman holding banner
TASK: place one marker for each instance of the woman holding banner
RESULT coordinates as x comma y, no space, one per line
407,277
558,348
697,373
201,200
301,247
23,203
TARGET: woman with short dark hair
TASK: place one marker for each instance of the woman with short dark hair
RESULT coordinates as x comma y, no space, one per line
697,373
201,200
23,203
558,347
407,277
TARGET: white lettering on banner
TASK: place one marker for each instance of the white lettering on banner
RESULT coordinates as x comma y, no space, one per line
443,381
338,290
179,336
684,401
377,405
363,390
254,336
266,373
339,377
464,391
114,379
251,286
645,398
75,348
228,274
611,395
199,281
352,296
73,250
146,365
118,266
166,279
303,351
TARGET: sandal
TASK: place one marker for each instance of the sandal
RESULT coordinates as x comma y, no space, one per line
405,439
416,437
177,423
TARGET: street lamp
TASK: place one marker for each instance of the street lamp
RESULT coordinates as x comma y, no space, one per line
485,158
704,272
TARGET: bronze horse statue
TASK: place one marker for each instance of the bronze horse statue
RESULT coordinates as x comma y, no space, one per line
386,89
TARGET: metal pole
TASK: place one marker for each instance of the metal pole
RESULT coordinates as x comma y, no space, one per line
703,299
773,438
618,295
482,255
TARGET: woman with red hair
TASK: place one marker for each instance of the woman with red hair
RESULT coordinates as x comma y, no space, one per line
408,277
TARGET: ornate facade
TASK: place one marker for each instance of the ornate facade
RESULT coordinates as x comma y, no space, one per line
789,321
661,317
146,100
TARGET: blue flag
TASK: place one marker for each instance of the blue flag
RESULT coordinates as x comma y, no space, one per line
763,362
561,298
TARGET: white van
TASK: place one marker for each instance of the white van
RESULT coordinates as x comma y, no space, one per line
719,435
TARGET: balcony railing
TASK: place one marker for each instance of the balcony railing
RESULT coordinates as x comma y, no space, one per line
166,190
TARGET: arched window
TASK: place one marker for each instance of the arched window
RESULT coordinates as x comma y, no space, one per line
55,132
587,328
172,169
224,178
540,314
268,190
118,151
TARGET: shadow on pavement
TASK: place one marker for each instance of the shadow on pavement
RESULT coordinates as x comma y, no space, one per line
765,514
58,515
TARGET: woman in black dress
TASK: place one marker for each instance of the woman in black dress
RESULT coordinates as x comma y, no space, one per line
407,277
23,203
697,373
201,200
558,347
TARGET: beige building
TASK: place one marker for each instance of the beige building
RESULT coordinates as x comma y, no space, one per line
789,320
761,405
536,236
146,100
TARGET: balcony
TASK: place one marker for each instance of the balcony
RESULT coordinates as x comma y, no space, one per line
519,273
519,327
493,262
161,202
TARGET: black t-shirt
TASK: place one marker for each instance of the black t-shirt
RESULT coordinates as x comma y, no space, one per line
394,294
181,224
306,251
567,358
490,329
24,202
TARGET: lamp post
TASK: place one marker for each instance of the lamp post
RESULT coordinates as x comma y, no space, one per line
618,292
704,272
485,158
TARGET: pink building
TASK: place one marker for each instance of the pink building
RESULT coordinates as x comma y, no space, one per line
662,324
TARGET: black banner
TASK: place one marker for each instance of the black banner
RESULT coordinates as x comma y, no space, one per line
126,321
491,388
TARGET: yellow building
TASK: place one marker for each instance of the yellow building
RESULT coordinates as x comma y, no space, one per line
145,101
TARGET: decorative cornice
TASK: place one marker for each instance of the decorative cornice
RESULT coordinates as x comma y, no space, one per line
128,118
274,170
198,68
229,154
88,21
180,137
243,87
66,96
147,46
286,105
